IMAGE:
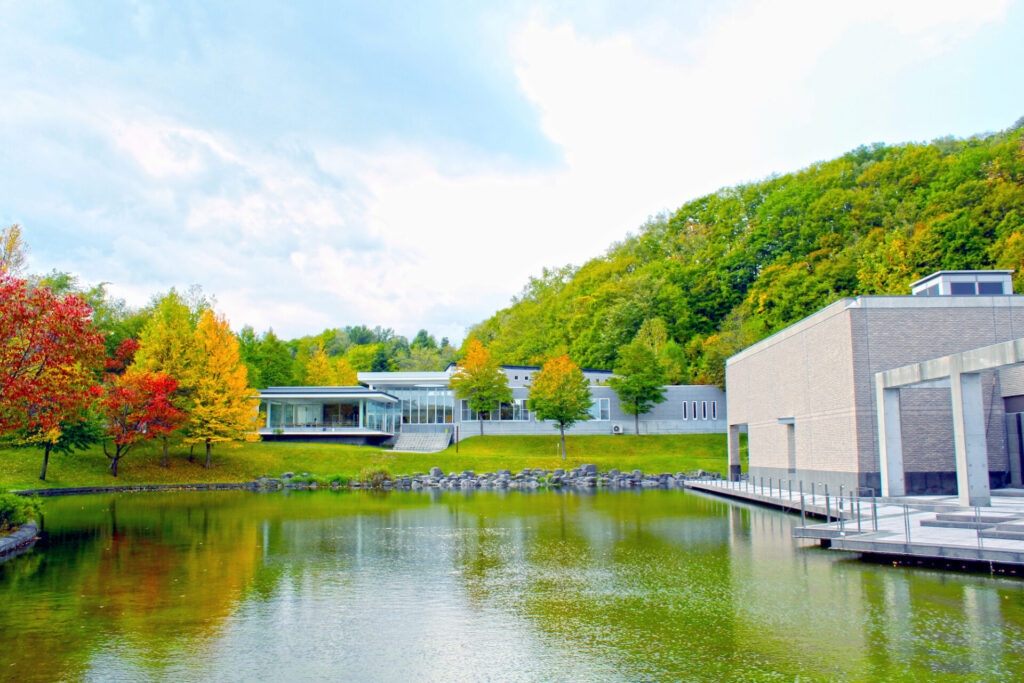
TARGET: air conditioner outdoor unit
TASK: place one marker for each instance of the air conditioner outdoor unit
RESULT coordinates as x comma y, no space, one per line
617,429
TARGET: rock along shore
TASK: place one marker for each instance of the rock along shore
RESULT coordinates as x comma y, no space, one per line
584,477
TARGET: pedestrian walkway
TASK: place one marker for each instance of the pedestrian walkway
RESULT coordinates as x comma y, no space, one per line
933,527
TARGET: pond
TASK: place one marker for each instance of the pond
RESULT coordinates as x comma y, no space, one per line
610,586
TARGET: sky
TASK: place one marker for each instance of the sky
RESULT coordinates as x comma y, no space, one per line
411,164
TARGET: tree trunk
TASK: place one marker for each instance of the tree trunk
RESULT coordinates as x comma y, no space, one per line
46,460
207,454
163,463
561,428
481,420
113,463
192,453
636,423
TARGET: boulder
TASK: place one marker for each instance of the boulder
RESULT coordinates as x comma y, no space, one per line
588,470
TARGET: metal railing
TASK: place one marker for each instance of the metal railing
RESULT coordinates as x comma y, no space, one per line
852,514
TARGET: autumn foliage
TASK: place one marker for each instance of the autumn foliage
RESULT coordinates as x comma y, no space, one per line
560,393
480,381
137,406
224,408
49,349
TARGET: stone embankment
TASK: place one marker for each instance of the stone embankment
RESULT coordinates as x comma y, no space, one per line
583,477
18,541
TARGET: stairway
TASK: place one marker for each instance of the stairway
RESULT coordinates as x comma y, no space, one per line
988,525
421,443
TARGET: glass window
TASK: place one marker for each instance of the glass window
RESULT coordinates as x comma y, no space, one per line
686,412
714,410
990,288
961,288
606,410
703,410
505,411
694,405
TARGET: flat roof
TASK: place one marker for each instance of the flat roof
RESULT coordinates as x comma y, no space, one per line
940,273
880,302
328,392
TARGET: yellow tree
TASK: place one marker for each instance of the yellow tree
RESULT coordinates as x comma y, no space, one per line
318,370
480,381
224,407
343,374
12,250
167,345
560,393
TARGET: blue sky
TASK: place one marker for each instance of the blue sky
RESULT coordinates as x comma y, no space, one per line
411,164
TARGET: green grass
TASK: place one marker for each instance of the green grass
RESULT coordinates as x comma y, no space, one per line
19,469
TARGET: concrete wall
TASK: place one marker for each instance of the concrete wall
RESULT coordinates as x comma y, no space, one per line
804,373
820,371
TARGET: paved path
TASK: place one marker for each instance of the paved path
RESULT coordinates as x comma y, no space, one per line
934,527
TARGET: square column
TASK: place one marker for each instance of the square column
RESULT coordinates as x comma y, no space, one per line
890,440
734,453
969,444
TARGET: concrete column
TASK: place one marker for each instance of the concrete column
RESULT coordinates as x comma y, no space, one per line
734,452
1013,447
969,444
890,440
269,404
362,420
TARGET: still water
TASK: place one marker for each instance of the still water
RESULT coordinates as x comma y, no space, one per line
646,585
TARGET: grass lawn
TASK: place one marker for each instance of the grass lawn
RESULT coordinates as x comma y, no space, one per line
19,468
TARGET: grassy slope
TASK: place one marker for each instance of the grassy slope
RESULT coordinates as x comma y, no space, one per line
20,468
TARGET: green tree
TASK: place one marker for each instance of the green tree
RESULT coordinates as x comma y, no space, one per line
167,345
275,362
480,382
560,393
639,380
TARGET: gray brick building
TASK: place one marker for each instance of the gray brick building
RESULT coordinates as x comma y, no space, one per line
806,395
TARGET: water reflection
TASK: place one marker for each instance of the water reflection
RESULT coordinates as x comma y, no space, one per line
653,585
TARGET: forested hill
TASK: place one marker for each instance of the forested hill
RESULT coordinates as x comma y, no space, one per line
733,267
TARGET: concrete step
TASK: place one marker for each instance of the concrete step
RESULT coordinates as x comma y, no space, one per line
970,518
1003,534
945,524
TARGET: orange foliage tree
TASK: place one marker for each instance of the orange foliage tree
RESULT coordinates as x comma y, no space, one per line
560,393
480,381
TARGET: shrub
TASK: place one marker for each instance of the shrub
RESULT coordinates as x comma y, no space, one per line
338,479
15,510
375,478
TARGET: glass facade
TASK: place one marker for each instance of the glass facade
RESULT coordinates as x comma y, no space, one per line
515,411
425,405
382,417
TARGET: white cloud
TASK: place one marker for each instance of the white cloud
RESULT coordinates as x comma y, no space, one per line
407,235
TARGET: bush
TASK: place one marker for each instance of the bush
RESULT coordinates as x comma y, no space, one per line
337,480
15,510
375,478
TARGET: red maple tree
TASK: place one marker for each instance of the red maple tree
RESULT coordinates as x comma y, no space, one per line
49,348
123,356
136,406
